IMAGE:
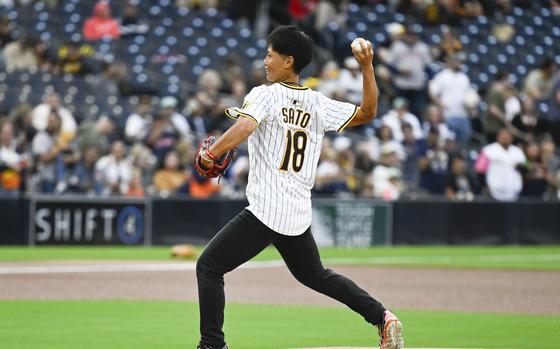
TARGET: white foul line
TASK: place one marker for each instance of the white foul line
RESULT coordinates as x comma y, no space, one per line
186,266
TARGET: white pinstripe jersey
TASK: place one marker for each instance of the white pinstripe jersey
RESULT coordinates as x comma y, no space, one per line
284,150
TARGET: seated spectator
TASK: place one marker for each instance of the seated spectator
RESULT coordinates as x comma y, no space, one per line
538,83
502,163
73,58
433,162
411,145
168,129
171,177
385,136
130,23
52,104
21,54
82,179
526,124
5,32
330,178
553,117
434,120
448,90
46,148
202,187
12,161
138,124
101,24
550,158
387,176
398,116
114,171
97,134
135,186
535,174
460,184
449,45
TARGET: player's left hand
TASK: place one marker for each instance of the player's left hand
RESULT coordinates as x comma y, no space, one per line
363,51
209,165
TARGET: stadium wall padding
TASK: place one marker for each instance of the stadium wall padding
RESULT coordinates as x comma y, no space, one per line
183,220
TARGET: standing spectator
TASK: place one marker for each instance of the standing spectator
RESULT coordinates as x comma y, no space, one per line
385,136
52,104
114,171
171,177
538,83
502,162
535,176
498,94
130,23
553,122
349,83
101,24
12,161
21,54
47,146
460,184
398,116
448,90
138,124
433,162
410,57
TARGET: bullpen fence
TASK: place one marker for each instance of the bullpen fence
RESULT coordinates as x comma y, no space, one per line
79,220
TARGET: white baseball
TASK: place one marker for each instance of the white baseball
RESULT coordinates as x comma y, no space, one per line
359,44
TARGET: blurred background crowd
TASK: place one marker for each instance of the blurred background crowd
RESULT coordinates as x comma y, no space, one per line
112,98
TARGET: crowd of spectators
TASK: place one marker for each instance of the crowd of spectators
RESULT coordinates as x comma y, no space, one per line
435,135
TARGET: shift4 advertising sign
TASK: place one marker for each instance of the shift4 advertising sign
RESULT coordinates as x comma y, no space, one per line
89,221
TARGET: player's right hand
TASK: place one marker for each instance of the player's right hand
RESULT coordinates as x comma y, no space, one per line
363,52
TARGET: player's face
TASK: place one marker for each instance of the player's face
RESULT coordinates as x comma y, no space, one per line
274,66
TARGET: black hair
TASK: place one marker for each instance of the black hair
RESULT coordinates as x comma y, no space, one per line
289,40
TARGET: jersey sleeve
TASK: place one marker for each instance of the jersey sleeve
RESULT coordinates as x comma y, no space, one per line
255,106
336,115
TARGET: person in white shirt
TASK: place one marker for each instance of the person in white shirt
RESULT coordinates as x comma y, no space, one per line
285,123
409,57
138,124
502,161
349,82
114,171
398,116
40,115
168,107
448,90
387,175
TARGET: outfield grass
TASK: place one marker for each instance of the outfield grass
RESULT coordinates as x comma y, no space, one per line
503,257
146,325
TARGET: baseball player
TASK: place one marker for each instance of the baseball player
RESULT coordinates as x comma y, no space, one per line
284,123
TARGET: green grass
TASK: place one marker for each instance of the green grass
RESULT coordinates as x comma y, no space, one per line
146,325
503,257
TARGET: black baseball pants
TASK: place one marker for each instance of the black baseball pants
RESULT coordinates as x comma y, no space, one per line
242,239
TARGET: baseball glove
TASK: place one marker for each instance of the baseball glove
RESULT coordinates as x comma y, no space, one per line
218,165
